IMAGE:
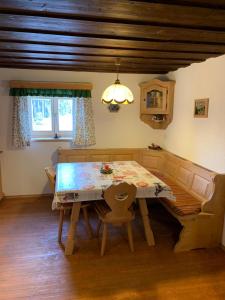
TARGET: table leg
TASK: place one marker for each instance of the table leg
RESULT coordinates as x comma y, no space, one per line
144,213
72,228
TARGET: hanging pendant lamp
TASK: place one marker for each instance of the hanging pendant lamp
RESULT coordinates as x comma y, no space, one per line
117,93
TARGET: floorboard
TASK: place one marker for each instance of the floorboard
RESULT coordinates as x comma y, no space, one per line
33,265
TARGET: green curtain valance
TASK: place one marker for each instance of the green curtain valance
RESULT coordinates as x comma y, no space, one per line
50,92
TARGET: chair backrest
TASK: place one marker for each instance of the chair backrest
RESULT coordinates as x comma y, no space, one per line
119,198
50,172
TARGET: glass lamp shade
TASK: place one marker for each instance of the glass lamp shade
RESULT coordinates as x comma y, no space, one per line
117,93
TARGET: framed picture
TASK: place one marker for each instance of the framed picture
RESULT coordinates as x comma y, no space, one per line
201,108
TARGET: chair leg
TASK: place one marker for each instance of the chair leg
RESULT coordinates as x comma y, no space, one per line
104,237
98,228
130,236
61,218
87,223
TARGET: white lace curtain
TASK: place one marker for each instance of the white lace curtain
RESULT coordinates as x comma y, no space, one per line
84,129
83,133
21,132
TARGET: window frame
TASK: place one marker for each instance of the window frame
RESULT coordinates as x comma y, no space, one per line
54,118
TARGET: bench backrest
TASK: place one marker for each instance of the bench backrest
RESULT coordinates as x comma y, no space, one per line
203,184
195,179
104,155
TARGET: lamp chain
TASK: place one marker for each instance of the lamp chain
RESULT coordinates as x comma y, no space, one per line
117,69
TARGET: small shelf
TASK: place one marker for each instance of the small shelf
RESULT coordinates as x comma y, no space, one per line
156,105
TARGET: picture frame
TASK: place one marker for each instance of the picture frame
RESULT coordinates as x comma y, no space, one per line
201,108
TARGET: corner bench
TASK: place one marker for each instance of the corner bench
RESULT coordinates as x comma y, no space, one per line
200,201
200,193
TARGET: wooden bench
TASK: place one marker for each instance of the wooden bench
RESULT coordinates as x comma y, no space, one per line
200,193
200,199
82,155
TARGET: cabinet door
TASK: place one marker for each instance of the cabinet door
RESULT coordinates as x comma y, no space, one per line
154,100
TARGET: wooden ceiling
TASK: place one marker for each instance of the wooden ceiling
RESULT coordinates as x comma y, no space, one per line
88,35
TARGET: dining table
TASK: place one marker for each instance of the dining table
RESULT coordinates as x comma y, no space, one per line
83,181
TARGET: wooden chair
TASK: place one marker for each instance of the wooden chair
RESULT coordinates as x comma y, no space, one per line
116,210
50,172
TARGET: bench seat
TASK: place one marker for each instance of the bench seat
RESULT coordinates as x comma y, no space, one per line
200,201
184,205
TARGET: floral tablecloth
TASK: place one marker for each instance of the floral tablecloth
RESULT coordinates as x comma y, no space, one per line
84,181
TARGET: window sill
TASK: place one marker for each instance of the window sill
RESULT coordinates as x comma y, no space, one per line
51,139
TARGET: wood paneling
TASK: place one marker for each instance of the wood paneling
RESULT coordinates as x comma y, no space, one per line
78,155
176,32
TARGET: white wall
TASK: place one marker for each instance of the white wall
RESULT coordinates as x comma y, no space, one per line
199,140
22,170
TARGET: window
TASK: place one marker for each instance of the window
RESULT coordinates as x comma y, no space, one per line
51,116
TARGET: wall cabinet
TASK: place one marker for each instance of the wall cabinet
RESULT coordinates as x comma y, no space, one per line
157,103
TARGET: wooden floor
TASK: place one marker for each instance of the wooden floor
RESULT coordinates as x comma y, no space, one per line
33,266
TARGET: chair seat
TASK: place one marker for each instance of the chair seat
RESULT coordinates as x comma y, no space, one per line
184,205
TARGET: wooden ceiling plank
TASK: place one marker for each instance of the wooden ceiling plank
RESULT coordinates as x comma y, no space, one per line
152,35
66,40
91,64
218,4
125,11
18,47
106,29
83,68
86,58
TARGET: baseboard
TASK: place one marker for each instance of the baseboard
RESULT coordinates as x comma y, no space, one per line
34,196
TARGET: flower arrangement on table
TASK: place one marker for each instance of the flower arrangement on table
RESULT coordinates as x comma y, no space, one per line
105,169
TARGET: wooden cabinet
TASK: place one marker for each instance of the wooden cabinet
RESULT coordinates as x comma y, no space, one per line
156,105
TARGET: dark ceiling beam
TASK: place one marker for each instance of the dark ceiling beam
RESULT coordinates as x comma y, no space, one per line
86,68
107,29
154,36
91,65
217,4
15,47
86,58
67,40
148,12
